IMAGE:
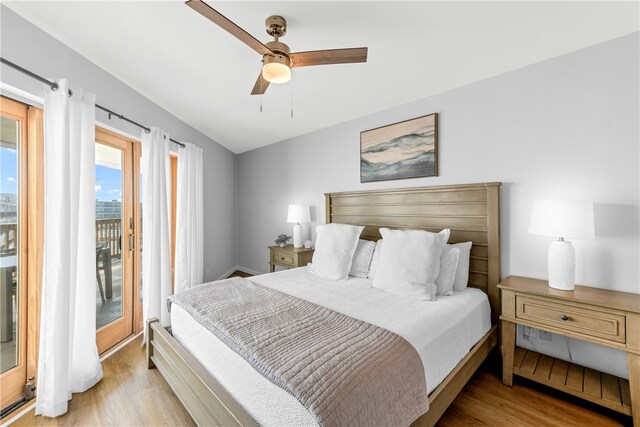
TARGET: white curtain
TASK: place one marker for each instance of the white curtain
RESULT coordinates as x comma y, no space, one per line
156,240
189,233
68,359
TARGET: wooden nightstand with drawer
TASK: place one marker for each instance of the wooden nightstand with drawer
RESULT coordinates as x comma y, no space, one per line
596,315
288,257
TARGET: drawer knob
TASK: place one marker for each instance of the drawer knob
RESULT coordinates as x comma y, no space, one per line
281,258
564,317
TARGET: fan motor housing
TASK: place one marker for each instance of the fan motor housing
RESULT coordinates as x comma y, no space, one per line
276,26
280,59
278,47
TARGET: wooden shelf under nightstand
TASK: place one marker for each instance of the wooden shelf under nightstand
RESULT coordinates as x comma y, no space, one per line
595,315
589,384
288,257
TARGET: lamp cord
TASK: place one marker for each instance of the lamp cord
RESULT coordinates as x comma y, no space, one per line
566,340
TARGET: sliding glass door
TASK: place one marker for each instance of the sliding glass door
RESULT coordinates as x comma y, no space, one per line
115,238
117,249
13,259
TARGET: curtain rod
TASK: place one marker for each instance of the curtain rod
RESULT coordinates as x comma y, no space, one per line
54,86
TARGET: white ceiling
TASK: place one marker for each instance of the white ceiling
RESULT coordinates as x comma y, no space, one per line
204,76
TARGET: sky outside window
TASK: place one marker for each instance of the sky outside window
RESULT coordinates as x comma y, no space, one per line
108,183
8,171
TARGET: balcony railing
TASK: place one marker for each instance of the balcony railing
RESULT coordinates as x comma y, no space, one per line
8,237
109,231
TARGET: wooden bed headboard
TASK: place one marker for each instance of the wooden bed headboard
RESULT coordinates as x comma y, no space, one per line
470,211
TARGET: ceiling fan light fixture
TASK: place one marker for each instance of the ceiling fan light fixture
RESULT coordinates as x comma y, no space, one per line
276,69
277,58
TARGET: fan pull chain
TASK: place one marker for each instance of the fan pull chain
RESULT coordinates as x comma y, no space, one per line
261,103
291,87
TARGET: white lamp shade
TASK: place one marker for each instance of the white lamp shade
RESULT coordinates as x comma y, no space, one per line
562,218
298,213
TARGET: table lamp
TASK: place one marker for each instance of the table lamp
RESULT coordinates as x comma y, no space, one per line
296,215
562,218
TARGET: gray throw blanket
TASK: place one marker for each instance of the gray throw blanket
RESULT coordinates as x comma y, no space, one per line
346,372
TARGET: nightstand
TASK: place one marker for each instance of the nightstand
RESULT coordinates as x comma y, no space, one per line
288,257
596,315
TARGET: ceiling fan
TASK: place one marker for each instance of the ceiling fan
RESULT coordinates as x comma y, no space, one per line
276,57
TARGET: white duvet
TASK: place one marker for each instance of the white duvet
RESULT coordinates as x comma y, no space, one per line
442,332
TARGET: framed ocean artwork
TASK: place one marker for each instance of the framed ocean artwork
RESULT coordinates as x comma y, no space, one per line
407,149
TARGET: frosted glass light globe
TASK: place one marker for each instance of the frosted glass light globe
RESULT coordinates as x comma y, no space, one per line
274,72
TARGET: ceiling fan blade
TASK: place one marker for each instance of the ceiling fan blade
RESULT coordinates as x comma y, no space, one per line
329,56
226,24
261,85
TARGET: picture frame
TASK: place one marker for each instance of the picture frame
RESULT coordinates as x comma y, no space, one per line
402,150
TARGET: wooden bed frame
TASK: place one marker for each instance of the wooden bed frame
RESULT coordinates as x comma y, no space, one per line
471,211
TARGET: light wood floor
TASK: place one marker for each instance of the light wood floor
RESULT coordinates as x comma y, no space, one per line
486,402
239,273
130,394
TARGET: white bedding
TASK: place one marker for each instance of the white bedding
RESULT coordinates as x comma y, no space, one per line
441,331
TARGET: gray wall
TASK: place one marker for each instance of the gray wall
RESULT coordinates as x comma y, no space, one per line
30,47
563,128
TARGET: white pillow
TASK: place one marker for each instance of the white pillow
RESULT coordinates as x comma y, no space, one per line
462,271
362,258
447,274
375,261
410,262
335,245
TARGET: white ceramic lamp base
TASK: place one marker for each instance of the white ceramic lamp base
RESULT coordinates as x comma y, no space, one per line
562,265
298,238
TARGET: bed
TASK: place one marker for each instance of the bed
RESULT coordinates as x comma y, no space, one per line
217,388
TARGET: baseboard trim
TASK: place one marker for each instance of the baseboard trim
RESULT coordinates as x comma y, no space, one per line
227,274
240,268
249,271
113,350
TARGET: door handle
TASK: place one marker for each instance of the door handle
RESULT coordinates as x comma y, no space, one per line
131,242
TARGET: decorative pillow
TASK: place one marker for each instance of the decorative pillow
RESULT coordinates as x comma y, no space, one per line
362,258
410,262
462,270
335,246
448,265
375,261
